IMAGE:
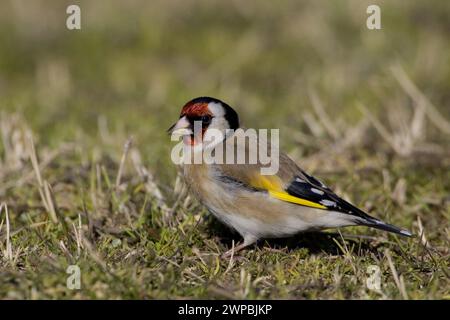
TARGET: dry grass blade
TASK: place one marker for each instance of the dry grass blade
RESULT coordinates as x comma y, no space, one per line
313,124
327,123
423,238
12,129
65,250
44,187
420,99
384,133
126,149
77,231
231,262
34,160
245,283
103,130
398,279
51,208
399,193
345,250
8,254
150,185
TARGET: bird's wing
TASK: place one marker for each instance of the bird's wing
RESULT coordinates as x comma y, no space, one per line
306,186
290,184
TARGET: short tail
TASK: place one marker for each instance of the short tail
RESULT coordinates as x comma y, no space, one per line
378,224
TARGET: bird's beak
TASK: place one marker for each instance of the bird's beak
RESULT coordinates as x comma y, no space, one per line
181,128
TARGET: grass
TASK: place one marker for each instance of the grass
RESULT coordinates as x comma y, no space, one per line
85,171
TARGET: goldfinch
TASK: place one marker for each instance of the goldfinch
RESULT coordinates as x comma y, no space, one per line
256,205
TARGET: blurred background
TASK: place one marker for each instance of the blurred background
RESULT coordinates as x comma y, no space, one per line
135,63
367,111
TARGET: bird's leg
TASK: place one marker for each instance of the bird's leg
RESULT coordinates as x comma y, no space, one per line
248,240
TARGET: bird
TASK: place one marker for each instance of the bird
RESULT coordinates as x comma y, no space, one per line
259,206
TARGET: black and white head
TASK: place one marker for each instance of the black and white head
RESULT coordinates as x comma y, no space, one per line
202,114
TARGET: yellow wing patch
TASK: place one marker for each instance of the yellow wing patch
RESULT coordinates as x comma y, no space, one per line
288,198
274,185
267,182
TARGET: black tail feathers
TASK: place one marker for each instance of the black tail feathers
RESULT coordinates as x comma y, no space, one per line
378,224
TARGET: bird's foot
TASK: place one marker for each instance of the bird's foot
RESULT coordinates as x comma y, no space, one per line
247,241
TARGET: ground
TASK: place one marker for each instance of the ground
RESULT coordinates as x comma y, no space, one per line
85,173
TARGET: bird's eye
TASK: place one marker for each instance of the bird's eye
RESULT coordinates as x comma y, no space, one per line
206,119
